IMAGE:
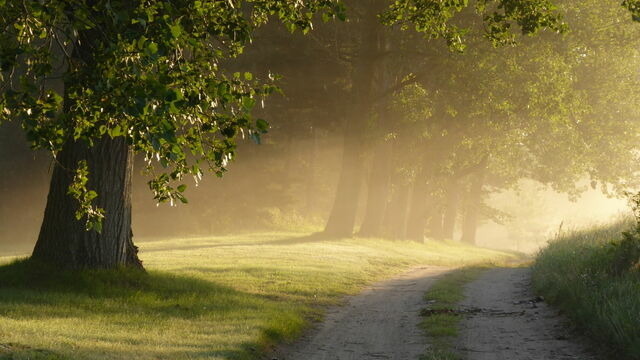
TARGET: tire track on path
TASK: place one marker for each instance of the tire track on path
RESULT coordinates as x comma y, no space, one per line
379,323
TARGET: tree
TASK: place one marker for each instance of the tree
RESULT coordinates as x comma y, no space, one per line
94,81
554,109
374,47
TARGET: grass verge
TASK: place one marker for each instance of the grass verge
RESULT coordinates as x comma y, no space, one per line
440,320
230,297
580,274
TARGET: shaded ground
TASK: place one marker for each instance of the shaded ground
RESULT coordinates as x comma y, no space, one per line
380,323
510,323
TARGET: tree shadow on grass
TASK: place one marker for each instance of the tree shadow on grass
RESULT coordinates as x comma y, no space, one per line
129,301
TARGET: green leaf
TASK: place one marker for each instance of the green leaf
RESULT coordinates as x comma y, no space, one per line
182,188
115,131
152,48
262,125
176,30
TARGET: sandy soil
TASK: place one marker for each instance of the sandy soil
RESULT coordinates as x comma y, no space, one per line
380,323
510,323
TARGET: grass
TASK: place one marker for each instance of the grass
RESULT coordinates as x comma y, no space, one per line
441,324
575,273
230,297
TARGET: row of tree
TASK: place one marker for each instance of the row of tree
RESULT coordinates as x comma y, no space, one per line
440,130
435,103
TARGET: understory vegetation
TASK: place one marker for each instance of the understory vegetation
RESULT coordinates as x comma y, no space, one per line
594,277
228,297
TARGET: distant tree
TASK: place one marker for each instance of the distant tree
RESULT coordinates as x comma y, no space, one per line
94,81
574,104
377,23
554,109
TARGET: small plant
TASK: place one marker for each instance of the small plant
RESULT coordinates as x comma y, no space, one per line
626,253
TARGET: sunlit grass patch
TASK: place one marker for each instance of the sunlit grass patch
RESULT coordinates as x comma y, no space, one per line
576,273
228,297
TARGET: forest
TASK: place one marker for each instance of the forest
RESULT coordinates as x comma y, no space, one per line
238,167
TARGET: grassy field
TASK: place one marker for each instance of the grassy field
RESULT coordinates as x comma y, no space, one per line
581,273
226,297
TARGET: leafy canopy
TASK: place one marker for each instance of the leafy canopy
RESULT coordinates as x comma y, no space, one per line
150,71
145,70
439,19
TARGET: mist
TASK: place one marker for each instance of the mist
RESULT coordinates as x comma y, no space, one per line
380,133
535,215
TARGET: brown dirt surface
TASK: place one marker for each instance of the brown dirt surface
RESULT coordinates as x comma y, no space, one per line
379,323
509,322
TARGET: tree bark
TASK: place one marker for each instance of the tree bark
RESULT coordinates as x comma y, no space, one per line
378,192
474,200
63,240
451,210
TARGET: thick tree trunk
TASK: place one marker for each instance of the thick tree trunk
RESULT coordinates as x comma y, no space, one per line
63,239
474,201
378,192
451,210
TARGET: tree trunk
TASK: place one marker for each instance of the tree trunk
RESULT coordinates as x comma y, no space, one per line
343,214
434,224
310,186
451,210
378,192
63,239
474,201
396,213
345,206
418,209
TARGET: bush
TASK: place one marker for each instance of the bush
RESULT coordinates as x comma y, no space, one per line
592,276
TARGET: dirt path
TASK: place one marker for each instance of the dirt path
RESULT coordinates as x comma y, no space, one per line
512,324
380,323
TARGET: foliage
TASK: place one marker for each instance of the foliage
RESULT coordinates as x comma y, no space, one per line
626,252
634,7
148,71
84,196
436,19
575,273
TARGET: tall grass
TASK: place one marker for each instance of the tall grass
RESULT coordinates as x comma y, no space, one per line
579,272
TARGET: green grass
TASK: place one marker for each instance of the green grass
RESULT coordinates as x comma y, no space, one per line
442,328
575,273
230,297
